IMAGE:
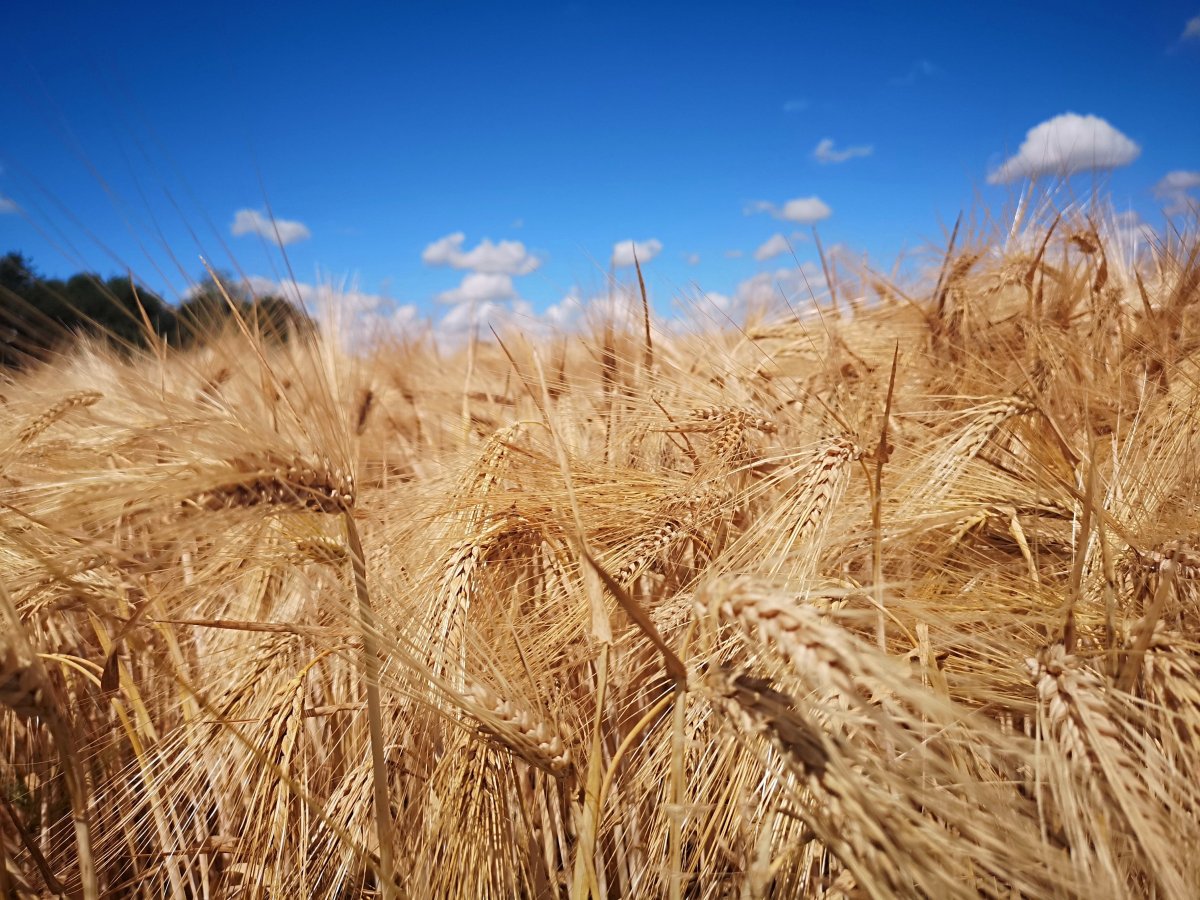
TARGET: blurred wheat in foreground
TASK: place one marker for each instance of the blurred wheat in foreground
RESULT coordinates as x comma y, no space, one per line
895,598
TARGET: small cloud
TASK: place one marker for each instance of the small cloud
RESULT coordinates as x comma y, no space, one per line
623,252
773,246
8,206
504,258
794,284
479,288
462,318
922,68
618,305
734,254
1174,187
283,231
805,210
518,223
346,297
692,259
565,311
1191,31
355,316
825,152
1174,182
1064,145
795,106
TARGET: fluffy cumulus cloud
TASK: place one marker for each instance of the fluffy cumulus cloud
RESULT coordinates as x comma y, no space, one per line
621,305
623,252
1191,31
284,231
805,210
826,153
798,285
479,288
772,247
461,319
723,302
503,258
342,310
1174,190
1064,145
1174,182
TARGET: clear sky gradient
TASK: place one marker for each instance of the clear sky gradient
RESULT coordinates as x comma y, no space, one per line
377,133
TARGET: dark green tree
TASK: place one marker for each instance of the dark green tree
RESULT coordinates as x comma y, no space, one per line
38,315
212,307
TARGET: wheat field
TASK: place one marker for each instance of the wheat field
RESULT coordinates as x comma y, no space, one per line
894,595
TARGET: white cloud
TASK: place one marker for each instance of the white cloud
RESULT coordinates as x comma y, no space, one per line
825,152
480,287
805,210
251,221
1067,144
1191,31
345,298
459,319
772,246
623,251
1174,187
692,259
1176,181
8,205
734,254
342,310
504,258
797,285
620,306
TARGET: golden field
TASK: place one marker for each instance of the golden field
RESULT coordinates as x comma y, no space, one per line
894,595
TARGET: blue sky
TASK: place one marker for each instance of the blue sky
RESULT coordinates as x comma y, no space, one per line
377,133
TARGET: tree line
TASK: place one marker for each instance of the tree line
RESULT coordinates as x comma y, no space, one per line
39,316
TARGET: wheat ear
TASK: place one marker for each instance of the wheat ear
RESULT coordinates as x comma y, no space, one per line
35,426
275,480
530,737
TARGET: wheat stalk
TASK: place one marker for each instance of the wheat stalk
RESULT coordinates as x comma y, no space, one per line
25,688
